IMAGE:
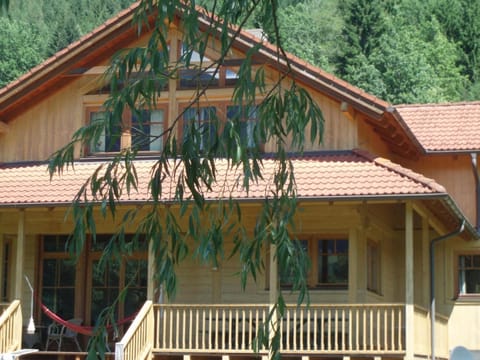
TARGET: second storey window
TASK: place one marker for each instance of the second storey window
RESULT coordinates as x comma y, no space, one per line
142,131
469,274
147,130
200,122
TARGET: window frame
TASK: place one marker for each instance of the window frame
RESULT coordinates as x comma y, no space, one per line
58,256
223,81
126,134
458,285
221,112
313,254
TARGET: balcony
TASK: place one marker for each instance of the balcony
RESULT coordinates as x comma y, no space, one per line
333,329
355,330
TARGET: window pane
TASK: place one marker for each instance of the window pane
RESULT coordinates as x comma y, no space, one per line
109,141
246,118
194,78
67,273
147,130
202,120
286,274
469,274
472,280
333,263
49,272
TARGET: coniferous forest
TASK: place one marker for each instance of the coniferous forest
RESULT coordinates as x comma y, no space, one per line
403,51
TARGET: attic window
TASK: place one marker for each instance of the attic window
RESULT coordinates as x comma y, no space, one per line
200,72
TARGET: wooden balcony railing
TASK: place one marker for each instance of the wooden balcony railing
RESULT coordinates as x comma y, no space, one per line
375,328
137,342
11,328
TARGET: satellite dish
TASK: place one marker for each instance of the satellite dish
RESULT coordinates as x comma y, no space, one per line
461,353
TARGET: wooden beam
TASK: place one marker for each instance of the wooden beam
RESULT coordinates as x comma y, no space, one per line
3,127
409,285
19,251
151,272
347,110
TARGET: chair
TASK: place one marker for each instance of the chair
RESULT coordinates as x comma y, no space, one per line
56,333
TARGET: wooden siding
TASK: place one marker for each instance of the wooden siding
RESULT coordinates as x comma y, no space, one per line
44,128
454,172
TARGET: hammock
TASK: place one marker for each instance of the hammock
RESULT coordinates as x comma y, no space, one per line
85,330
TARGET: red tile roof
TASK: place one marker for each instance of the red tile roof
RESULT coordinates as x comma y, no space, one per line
444,127
343,175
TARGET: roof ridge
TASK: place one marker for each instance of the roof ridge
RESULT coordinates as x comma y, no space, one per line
401,170
442,104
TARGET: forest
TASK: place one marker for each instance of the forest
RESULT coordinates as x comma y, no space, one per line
402,51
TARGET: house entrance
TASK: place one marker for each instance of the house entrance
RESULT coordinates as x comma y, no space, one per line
83,289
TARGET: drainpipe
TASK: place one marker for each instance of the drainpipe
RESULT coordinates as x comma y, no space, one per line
477,188
432,282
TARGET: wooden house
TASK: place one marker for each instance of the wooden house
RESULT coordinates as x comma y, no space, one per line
389,189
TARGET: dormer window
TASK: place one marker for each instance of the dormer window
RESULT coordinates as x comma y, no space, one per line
141,131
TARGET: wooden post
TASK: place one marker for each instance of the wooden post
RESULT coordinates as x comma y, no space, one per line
2,266
409,285
151,272
355,265
19,250
425,261
273,295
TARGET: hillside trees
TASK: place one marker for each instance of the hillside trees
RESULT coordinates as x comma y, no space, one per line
398,52
16,60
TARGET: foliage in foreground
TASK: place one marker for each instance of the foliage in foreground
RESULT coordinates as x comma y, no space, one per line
186,167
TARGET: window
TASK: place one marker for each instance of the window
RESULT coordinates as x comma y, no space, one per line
147,130
200,73
329,264
142,131
246,117
62,281
201,122
469,274
58,277
107,142
206,121
107,281
373,266
332,267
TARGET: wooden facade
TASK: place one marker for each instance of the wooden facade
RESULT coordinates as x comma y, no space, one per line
383,310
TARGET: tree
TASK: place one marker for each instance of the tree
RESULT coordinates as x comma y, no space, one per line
311,30
364,24
284,115
20,47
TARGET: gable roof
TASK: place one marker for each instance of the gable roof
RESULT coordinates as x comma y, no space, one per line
451,127
104,41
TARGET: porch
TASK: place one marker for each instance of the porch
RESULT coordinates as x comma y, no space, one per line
179,331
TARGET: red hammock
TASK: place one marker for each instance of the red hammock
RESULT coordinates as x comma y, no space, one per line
85,330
